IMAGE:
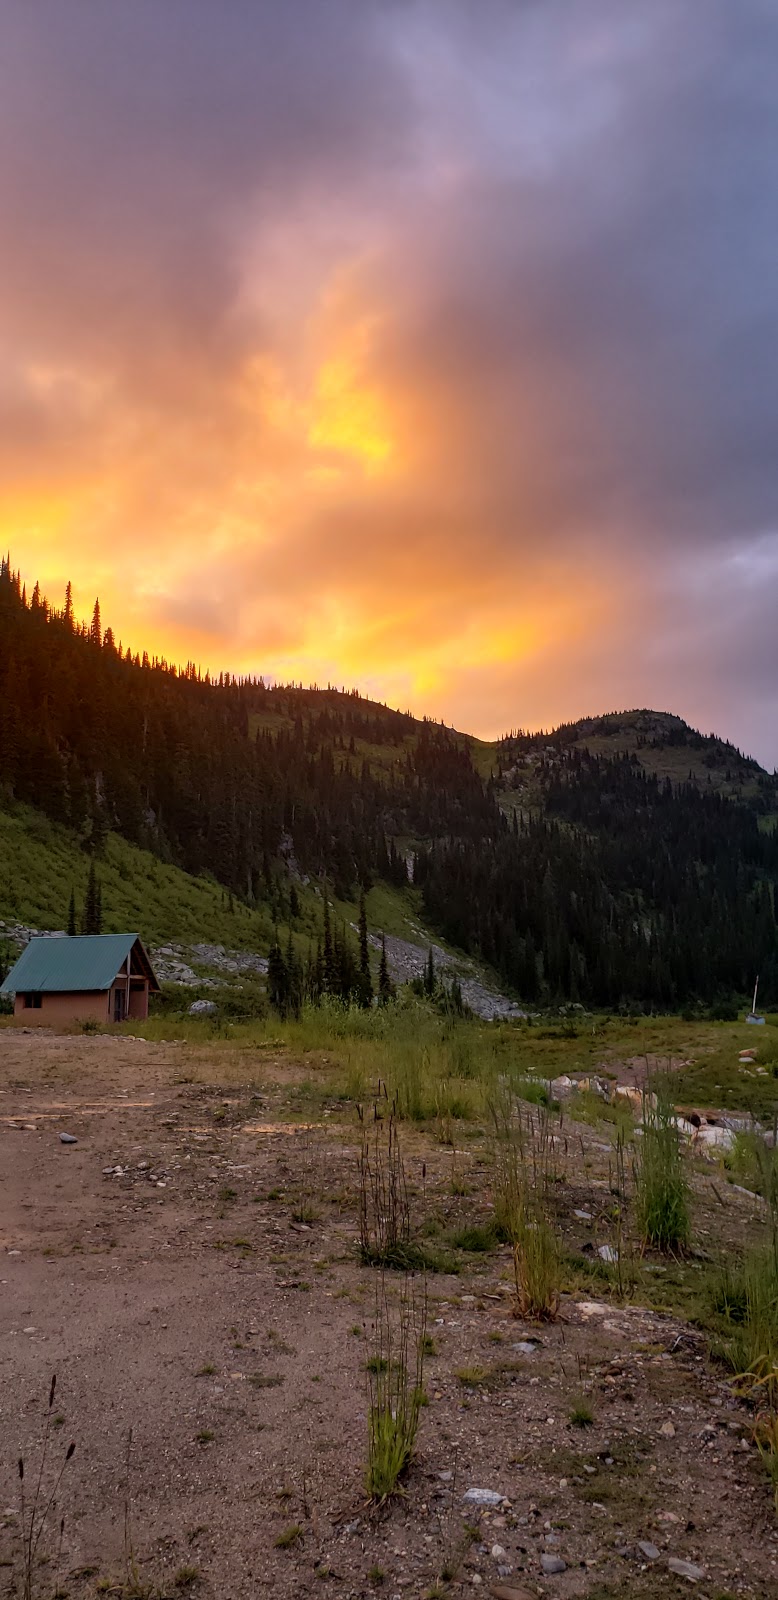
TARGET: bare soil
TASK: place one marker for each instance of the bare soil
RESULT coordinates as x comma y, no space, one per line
207,1299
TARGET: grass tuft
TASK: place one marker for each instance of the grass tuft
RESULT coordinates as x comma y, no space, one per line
662,1187
289,1537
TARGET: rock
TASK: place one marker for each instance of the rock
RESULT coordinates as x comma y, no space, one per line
606,1252
685,1569
497,1552
667,1430
445,1477
508,1591
203,1008
648,1550
482,1497
68,1138
549,1565
526,1347
583,1216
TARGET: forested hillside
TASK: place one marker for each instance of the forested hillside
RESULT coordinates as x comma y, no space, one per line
575,873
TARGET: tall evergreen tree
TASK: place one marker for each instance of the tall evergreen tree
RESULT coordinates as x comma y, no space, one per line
329,976
72,923
293,979
92,919
385,986
95,630
365,980
277,978
429,974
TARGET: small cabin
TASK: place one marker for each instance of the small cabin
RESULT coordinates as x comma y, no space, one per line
100,977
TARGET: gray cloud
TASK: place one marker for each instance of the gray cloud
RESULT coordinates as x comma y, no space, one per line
567,218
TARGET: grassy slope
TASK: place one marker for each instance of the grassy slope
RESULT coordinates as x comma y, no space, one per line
40,863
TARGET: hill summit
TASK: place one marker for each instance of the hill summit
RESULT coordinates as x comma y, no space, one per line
619,860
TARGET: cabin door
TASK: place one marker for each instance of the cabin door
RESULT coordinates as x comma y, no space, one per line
119,1005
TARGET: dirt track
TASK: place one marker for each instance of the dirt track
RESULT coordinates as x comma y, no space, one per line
180,1298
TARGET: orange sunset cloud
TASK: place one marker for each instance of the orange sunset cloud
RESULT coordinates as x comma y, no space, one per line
344,348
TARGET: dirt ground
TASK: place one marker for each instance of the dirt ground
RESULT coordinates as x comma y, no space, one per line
188,1270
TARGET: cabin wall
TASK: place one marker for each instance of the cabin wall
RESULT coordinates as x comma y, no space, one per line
139,1000
60,1010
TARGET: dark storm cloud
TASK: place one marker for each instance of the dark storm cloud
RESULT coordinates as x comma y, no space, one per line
558,225
610,322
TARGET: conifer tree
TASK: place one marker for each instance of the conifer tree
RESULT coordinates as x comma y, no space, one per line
293,979
329,975
429,975
92,919
72,924
385,987
365,980
99,829
95,631
277,978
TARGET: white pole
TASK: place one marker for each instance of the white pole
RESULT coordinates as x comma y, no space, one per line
756,986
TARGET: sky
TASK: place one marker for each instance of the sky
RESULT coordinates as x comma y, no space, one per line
422,346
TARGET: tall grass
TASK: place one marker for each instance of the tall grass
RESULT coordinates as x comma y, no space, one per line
35,1510
524,1157
396,1384
662,1188
384,1211
747,1296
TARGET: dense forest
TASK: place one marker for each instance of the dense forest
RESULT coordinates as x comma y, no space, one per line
607,886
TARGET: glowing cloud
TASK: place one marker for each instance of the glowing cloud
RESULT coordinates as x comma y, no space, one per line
400,346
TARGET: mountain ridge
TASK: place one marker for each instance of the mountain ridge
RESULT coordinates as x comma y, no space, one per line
620,859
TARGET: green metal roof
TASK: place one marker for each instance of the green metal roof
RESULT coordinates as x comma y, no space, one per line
72,962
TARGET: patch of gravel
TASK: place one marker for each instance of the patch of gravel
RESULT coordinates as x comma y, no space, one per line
19,933
171,963
407,961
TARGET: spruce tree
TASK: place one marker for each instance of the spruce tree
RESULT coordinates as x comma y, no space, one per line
95,631
365,980
429,975
385,988
329,976
99,829
72,914
293,979
277,978
92,919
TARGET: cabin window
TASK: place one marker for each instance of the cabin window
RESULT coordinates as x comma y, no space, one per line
32,1002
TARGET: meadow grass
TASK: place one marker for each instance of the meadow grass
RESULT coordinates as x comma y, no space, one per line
395,1384
662,1185
42,862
